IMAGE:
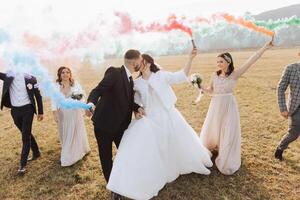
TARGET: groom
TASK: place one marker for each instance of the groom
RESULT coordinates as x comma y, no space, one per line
291,78
113,103
20,92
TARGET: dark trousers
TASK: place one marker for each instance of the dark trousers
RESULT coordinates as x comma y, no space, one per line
23,118
105,141
294,130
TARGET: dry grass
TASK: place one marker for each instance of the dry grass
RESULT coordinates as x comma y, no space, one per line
260,177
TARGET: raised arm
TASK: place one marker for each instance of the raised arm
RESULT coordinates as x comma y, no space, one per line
239,72
188,64
181,75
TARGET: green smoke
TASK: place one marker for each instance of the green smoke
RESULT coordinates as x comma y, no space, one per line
274,24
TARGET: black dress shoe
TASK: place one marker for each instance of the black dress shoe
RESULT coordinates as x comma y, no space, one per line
115,196
34,157
278,154
21,171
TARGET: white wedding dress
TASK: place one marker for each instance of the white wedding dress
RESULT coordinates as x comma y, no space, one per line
156,149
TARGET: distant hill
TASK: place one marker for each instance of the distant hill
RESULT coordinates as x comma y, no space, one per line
283,12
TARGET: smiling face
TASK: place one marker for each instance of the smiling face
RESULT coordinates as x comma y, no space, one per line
65,74
222,64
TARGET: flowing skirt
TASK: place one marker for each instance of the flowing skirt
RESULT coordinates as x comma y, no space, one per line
221,130
73,137
154,151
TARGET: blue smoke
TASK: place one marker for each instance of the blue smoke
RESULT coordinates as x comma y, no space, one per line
4,37
28,63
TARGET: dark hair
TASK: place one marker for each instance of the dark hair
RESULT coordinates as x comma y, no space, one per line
132,54
153,67
226,56
59,72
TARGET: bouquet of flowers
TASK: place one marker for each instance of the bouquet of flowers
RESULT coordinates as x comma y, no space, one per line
196,80
76,96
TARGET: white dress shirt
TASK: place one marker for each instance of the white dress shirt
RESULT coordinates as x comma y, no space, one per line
17,91
128,73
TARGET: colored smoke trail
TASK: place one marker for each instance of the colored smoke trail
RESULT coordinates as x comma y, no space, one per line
171,24
4,37
110,36
248,24
28,63
272,25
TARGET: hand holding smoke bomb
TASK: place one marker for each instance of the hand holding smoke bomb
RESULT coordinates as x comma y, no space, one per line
91,110
193,43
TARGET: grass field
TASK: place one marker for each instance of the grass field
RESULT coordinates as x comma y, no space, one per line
260,176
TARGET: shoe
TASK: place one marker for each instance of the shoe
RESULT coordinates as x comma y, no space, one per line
34,157
278,154
115,196
21,171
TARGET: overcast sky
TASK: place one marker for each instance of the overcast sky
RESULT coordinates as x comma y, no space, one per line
71,13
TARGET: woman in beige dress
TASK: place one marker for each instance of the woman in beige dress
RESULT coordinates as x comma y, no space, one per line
221,130
71,127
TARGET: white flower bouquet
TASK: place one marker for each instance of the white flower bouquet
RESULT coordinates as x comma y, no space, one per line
196,81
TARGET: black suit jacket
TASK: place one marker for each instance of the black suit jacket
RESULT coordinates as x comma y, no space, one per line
33,93
114,100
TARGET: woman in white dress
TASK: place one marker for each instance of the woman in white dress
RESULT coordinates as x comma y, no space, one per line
71,127
159,147
221,130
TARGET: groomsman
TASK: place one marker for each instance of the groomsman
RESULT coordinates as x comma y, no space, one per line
20,93
291,78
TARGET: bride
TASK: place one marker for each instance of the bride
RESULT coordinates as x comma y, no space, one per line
159,147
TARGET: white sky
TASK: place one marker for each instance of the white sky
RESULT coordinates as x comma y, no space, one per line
79,12
142,6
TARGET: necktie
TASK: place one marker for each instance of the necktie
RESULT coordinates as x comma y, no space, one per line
131,82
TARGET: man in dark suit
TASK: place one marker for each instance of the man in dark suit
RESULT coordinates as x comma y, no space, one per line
20,93
113,104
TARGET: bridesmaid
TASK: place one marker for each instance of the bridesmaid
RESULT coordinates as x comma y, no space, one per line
221,129
71,127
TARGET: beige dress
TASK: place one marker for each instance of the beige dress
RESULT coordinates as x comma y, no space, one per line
221,129
72,131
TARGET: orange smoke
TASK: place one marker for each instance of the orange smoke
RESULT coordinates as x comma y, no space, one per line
247,24
34,41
